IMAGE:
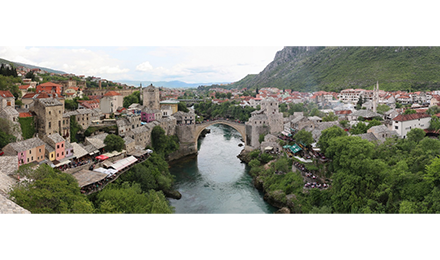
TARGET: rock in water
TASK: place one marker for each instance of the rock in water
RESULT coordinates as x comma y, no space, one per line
174,194
283,210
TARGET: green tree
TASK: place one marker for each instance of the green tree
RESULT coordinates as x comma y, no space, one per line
359,128
163,144
434,124
150,174
182,107
409,112
114,142
416,135
330,117
46,190
129,198
432,174
382,108
344,123
70,104
348,152
130,99
328,134
304,137
433,110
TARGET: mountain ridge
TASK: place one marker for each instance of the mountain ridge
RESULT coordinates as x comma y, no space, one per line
167,84
336,68
16,64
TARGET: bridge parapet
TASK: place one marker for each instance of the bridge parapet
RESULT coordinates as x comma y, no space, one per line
240,127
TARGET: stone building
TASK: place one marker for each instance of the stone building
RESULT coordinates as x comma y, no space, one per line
151,97
49,87
275,118
168,124
170,104
49,116
129,144
267,120
184,118
6,99
141,135
110,102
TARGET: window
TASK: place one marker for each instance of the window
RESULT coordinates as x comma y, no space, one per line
27,159
62,145
58,155
49,124
32,158
39,150
30,151
62,153
51,155
50,113
58,146
59,111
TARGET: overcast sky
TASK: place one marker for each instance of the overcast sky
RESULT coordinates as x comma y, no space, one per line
188,64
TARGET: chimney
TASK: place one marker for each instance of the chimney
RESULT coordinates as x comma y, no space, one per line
100,85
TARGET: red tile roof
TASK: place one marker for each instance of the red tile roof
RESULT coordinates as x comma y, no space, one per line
36,95
403,117
49,84
6,93
24,86
112,93
25,114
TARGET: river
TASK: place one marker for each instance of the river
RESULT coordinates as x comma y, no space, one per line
215,180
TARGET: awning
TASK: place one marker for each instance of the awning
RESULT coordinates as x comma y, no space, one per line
268,148
121,164
107,163
286,134
106,171
303,160
86,177
61,163
295,148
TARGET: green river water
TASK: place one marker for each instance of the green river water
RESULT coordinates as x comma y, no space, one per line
215,180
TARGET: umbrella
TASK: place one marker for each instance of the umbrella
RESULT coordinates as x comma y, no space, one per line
101,157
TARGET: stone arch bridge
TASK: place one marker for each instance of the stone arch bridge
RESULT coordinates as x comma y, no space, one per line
240,127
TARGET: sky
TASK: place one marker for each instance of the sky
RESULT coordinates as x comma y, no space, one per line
190,64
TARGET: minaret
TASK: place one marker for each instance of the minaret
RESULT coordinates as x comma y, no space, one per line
375,97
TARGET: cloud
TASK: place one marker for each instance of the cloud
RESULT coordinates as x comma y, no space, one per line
145,66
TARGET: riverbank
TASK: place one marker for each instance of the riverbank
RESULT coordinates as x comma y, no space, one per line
285,203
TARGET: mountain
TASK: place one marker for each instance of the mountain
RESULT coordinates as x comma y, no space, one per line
337,68
166,84
16,64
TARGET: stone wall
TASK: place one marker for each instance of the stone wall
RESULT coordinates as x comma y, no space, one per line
185,133
185,149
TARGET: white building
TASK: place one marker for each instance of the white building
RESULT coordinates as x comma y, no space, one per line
402,124
110,102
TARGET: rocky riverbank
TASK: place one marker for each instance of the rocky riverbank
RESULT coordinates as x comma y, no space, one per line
286,203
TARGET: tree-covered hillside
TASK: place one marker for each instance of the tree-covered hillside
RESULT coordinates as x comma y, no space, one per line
337,68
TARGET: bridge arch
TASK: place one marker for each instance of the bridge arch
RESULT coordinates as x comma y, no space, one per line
241,128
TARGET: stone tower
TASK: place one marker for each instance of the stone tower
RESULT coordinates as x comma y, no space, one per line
275,118
151,97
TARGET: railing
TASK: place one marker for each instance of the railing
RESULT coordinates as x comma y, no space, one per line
221,120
